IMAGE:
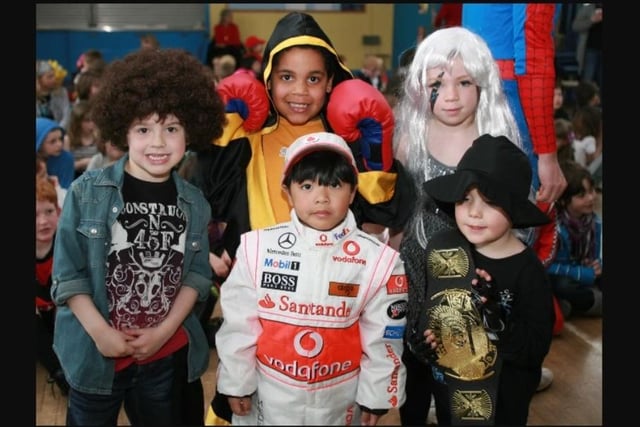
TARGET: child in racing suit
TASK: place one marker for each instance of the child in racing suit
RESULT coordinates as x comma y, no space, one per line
314,308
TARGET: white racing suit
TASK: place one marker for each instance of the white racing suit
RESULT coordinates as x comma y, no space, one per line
313,325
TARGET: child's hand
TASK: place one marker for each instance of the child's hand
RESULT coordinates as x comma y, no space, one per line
368,419
113,343
424,345
221,265
431,339
593,263
145,341
487,301
240,406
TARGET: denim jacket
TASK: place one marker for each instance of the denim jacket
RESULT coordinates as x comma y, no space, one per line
83,239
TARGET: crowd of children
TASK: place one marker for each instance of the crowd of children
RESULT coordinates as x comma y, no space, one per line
299,164
576,270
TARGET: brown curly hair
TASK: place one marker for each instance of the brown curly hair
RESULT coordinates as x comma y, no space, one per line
165,81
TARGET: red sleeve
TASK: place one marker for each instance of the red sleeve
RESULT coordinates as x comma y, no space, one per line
537,83
546,240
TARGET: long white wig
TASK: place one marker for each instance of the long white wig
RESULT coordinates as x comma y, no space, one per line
413,112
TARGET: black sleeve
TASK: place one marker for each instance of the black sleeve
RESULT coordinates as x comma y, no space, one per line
220,173
527,337
374,411
394,213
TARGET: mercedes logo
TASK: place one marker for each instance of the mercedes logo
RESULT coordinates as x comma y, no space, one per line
286,240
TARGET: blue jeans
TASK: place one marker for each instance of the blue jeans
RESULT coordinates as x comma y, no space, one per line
579,295
145,391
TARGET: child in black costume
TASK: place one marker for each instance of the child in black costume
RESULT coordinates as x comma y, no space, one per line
511,294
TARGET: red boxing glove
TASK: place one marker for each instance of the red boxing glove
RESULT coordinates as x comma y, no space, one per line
245,95
360,114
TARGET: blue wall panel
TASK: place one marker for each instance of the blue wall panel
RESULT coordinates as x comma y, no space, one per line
406,20
65,46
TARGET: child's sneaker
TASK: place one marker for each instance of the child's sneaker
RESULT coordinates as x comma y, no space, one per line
545,379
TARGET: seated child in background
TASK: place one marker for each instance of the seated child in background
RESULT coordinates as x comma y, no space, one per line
88,84
341,304
587,145
50,146
587,127
81,137
107,154
587,93
41,173
47,214
52,97
576,271
559,110
564,140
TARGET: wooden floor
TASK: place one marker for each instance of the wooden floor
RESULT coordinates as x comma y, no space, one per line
574,398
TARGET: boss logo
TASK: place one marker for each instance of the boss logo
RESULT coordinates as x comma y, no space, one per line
280,282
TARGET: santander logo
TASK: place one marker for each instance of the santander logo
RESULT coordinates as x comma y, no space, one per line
394,401
266,302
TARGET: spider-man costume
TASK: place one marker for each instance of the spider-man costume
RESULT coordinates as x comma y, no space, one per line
520,36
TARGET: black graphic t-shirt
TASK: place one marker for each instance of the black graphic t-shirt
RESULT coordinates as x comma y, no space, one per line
144,265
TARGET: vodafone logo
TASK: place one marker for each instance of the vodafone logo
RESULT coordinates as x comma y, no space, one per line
302,357
350,247
323,240
397,284
305,339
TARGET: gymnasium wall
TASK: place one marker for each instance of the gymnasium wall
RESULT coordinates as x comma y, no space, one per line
395,26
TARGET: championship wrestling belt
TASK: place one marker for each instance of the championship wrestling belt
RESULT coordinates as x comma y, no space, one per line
466,357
